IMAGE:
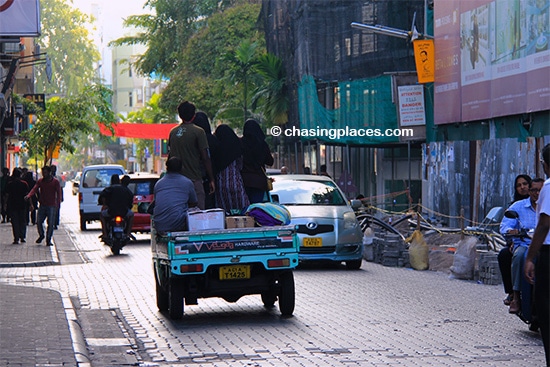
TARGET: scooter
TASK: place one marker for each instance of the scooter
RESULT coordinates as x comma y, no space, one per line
527,312
117,237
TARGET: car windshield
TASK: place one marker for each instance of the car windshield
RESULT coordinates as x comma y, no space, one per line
302,192
99,177
142,187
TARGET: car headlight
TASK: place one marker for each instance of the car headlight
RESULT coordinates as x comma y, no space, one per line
350,221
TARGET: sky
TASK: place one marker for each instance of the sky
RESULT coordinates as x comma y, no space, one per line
109,16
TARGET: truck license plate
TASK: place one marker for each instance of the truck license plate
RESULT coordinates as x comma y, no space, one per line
234,272
312,242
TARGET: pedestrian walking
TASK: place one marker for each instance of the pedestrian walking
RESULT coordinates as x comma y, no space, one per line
256,155
32,203
3,197
16,191
230,192
539,274
188,142
62,184
49,191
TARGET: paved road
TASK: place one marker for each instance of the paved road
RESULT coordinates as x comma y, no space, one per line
377,316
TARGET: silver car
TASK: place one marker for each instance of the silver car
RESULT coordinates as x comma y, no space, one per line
327,226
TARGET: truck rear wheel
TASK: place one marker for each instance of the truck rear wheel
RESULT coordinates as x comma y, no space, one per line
175,296
286,293
82,224
162,296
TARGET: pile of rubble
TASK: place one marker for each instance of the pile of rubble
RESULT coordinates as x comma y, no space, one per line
390,249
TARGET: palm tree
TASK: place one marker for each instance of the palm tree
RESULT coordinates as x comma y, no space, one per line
272,94
243,62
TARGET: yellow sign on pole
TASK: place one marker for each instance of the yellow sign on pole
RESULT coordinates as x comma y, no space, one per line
53,151
424,57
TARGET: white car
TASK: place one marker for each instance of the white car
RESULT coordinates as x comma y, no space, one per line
94,179
327,226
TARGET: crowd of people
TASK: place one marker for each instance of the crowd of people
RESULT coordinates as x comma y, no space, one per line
225,171
27,201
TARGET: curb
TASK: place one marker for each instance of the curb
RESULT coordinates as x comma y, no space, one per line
77,336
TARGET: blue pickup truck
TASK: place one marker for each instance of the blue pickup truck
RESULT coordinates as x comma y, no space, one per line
226,263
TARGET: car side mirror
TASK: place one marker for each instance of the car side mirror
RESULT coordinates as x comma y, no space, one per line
356,204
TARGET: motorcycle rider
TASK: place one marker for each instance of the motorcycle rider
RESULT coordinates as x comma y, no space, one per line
116,200
526,210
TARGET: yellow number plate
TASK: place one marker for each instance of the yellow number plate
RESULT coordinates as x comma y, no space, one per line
234,272
313,242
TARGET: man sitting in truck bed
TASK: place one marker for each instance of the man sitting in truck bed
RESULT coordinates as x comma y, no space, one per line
174,195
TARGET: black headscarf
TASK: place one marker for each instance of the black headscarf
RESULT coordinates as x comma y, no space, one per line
201,120
253,142
229,148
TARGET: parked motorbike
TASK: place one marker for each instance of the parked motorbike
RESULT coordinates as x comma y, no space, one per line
117,237
527,312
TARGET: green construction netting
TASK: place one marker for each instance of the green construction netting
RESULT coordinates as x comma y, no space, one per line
360,105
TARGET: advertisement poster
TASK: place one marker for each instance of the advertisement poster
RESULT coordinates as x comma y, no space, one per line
500,49
19,18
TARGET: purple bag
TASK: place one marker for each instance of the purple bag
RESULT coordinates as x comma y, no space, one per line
269,214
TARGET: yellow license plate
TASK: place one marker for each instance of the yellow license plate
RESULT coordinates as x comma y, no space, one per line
312,242
234,272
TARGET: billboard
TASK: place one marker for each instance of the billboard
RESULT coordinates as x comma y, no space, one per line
19,18
492,58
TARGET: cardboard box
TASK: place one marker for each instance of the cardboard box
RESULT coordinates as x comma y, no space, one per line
201,220
239,222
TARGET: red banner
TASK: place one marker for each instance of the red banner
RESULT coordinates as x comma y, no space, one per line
138,131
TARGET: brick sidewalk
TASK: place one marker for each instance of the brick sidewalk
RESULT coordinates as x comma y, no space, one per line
34,328
25,254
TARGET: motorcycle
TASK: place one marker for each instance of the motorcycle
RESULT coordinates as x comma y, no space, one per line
527,311
117,237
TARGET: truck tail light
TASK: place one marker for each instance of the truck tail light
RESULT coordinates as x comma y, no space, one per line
278,263
192,268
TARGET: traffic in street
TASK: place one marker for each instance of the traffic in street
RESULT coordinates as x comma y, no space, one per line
374,316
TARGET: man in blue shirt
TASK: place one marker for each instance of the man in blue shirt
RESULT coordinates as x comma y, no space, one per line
174,194
526,210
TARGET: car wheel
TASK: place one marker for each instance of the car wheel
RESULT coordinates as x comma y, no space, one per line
354,264
82,224
175,299
286,293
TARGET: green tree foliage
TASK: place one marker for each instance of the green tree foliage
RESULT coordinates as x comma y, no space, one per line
66,120
67,43
166,33
204,73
